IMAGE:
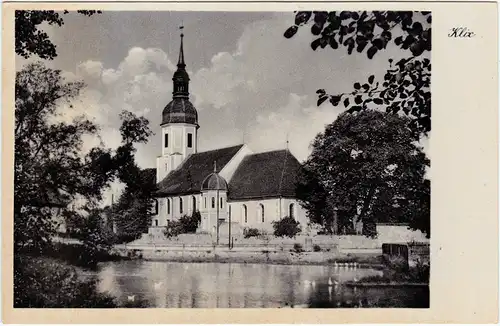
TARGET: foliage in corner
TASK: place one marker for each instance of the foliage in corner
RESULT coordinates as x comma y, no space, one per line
405,87
30,40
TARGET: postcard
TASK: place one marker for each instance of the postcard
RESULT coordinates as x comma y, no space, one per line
250,162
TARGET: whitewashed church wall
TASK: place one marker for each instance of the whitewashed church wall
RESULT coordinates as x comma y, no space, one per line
297,211
272,212
161,171
211,210
175,211
228,171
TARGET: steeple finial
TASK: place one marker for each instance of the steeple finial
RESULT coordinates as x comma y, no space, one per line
181,62
215,166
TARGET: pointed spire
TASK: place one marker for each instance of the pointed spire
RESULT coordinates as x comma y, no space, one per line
181,77
215,166
181,63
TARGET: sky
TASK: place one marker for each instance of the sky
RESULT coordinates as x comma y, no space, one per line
248,82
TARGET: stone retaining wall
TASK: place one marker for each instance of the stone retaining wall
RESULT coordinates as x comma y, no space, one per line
235,255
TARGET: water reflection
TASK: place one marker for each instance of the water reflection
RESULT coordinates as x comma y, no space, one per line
212,285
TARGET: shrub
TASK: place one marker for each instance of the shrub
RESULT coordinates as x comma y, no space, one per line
297,247
286,227
120,238
316,248
421,272
186,224
251,233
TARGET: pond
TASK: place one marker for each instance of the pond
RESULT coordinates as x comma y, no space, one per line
220,285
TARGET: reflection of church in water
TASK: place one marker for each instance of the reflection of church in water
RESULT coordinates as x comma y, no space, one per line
233,184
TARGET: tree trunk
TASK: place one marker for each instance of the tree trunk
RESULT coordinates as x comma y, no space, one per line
335,226
367,226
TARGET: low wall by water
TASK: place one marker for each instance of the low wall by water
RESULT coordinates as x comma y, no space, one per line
241,254
318,249
347,243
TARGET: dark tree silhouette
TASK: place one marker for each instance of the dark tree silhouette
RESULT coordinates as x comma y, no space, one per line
367,165
50,169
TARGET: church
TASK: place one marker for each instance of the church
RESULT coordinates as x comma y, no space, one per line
232,188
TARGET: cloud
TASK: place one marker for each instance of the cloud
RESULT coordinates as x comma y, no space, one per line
217,85
140,61
90,69
140,83
295,121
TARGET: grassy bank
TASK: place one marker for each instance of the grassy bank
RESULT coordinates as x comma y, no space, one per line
79,255
398,275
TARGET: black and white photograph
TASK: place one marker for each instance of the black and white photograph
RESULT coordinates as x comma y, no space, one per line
222,159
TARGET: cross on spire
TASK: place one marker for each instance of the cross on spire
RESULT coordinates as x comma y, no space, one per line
181,62
215,166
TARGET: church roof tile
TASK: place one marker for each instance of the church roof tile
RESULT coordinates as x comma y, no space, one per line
188,177
265,175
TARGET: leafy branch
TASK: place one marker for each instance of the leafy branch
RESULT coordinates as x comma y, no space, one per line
405,87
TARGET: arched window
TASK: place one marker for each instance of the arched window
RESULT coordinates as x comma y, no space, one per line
213,202
262,212
180,205
291,210
194,203
221,205
168,206
156,222
245,213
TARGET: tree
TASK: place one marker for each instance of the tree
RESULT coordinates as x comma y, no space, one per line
367,165
95,236
30,40
132,213
405,87
49,165
316,200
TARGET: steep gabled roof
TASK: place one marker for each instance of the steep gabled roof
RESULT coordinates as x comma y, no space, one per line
265,175
188,177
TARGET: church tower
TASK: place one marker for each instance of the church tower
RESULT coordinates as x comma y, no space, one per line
179,126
